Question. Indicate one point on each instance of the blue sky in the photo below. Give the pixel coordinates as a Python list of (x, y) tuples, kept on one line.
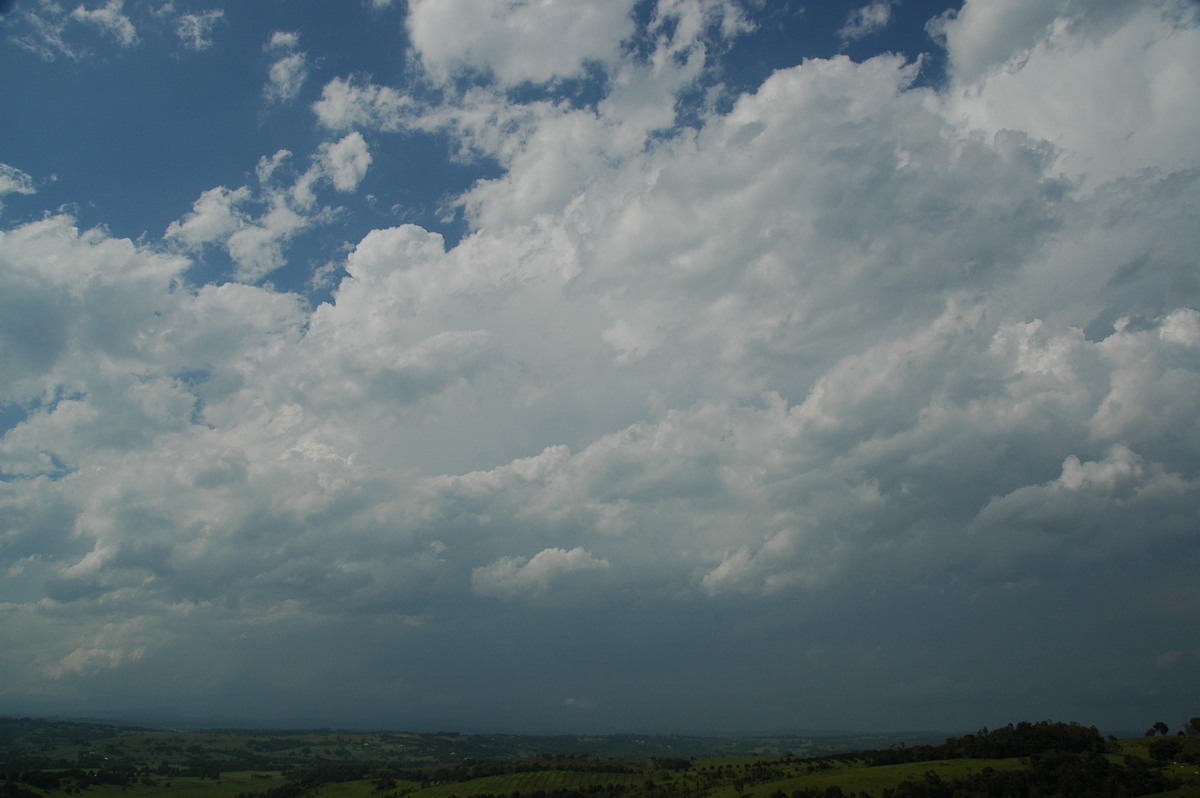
[(601, 365)]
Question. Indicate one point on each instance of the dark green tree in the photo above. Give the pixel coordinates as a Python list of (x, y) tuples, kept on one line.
[(1165, 750)]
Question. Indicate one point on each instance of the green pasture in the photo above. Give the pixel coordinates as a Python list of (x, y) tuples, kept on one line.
[(709, 777), (1142, 746), (734, 761), (852, 778), (855, 778), (361, 789), (228, 786), (546, 780)]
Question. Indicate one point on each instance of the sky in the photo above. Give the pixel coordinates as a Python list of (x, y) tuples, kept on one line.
[(601, 365)]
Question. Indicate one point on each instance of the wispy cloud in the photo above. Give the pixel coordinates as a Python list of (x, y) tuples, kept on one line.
[(195, 30), (867, 20), (111, 19)]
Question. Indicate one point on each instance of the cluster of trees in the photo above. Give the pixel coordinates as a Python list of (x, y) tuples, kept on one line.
[(1060, 773), (35, 778), (1172, 749), (73, 780), (1168, 749), (597, 791), (1160, 728), (1023, 739), (335, 772), (10, 789), (1053, 773), (1065, 759), (765, 770), (40, 735), (477, 769), (289, 790), (331, 773)]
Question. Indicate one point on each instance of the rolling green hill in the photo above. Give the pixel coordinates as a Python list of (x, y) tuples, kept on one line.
[(53, 758)]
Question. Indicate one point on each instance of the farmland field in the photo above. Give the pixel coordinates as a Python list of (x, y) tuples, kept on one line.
[(45, 758)]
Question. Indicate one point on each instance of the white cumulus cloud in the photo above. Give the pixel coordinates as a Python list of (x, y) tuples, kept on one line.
[(509, 576), (288, 72), (346, 161), (14, 181), (846, 350), (526, 40)]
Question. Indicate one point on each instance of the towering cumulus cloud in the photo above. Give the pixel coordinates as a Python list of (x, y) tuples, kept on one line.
[(853, 395)]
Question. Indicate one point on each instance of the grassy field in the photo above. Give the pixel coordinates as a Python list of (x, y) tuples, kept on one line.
[(854, 779), (229, 785), (527, 783)]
